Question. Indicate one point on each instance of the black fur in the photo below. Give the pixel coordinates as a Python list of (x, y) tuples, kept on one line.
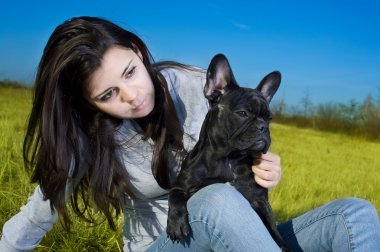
[(235, 131)]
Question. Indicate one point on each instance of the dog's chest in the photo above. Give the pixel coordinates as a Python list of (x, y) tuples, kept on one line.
[(229, 169)]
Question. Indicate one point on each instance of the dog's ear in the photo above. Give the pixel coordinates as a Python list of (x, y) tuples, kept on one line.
[(219, 78), (269, 85)]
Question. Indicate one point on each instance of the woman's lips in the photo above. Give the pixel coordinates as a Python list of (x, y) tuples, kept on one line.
[(139, 105)]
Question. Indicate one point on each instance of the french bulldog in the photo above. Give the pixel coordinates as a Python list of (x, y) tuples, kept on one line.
[(234, 134)]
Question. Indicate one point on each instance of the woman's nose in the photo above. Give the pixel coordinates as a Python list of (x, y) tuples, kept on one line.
[(127, 95)]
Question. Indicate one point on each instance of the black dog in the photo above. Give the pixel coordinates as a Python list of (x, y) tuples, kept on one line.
[(235, 131)]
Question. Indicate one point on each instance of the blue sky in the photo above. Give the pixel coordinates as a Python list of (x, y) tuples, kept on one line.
[(328, 50)]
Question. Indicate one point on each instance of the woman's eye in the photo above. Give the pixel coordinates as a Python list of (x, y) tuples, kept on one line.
[(108, 95), (130, 73), (242, 113)]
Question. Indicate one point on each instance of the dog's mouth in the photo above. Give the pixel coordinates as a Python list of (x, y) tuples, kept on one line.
[(260, 146), (253, 144)]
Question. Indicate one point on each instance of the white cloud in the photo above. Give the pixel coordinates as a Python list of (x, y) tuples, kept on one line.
[(241, 26)]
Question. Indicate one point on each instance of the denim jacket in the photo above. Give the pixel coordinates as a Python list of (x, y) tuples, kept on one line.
[(146, 212)]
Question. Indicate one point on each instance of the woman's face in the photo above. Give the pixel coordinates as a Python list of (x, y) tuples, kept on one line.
[(121, 86)]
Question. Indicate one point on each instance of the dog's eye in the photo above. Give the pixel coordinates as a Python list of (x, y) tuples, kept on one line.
[(242, 113)]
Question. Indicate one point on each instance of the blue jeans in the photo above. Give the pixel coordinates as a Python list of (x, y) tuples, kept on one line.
[(222, 220)]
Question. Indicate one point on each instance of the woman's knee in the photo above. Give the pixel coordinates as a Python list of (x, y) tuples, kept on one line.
[(218, 200), (360, 221), (222, 214), (358, 207), (219, 196)]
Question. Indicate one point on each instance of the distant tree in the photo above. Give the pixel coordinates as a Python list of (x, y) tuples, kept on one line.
[(350, 114), (367, 109), (12, 84), (306, 103), (354, 118), (329, 111), (278, 107), (370, 117), (350, 110)]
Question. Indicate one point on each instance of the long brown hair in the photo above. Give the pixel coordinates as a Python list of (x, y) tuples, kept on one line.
[(65, 132)]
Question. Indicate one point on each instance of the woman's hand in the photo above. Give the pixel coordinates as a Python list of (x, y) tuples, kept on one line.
[(268, 170)]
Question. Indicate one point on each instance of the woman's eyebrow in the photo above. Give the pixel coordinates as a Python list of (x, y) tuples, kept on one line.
[(126, 68)]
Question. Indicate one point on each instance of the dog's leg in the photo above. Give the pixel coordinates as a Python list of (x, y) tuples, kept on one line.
[(188, 182), (178, 224)]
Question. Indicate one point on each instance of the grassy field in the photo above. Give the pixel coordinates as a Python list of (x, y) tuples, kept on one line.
[(317, 167)]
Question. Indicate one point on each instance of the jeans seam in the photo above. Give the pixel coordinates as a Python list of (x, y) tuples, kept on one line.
[(351, 244), (212, 229), (159, 248)]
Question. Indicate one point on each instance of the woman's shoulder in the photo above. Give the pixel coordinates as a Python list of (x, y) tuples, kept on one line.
[(184, 76), (185, 83), (186, 89)]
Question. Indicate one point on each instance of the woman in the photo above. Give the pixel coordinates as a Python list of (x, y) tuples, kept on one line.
[(110, 126)]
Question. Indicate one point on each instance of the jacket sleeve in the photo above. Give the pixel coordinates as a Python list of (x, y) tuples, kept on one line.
[(25, 230)]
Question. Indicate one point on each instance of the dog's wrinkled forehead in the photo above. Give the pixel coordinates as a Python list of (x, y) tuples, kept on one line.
[(245, 98)]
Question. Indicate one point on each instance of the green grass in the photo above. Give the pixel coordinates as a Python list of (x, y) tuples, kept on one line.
[(15, 105), (317, 167)]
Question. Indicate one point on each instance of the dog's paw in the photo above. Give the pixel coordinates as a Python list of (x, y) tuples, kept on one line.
[(285, 249), (178, 224)]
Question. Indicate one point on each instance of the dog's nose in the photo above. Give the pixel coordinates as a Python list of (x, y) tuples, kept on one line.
[(262, 126), (263, 129)]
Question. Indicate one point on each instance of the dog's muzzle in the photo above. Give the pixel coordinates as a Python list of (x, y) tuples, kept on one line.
[(261, 144)]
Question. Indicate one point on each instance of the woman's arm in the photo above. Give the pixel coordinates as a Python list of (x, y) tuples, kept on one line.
[(25, 230), (268, 171)]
